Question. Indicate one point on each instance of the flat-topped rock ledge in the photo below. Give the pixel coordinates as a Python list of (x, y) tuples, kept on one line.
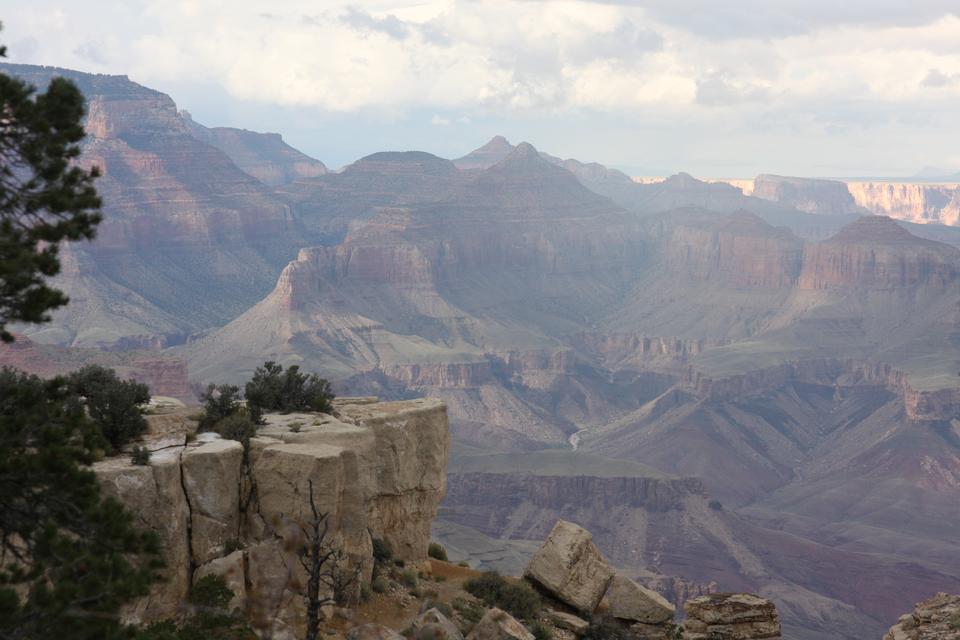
[(378, 469), (731, 616)]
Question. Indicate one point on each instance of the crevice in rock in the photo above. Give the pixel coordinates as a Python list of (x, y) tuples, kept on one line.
[(186, 498)]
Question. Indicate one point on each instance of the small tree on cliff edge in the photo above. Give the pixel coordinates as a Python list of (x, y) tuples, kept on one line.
[(273, 389), (44, 198)]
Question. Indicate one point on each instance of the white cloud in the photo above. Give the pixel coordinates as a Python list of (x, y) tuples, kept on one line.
[(792, 68)]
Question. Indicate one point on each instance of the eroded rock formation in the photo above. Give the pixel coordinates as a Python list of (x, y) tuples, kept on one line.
[(935, 619), (378, 471), (731, 616)]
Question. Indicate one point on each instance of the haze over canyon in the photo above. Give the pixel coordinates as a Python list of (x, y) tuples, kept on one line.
[(735, 385)]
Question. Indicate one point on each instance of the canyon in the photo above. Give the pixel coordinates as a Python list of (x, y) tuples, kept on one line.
[(769, 375)]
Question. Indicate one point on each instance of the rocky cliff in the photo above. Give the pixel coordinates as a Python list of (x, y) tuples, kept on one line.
[(875, 252), (825, 197), (265, 156), (916, 202), (164, 374), (188, 240), (740, 250), (378, 471)]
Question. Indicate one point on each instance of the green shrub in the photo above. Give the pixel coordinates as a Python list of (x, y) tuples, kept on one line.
[(519, 600), (140, 456), (366, 592), (231, 545), (469, 611), (444, 608), (400, 562), (436, 551), (541, 631), (379, 585), (382, 552), (219, 402), (440, 578), (209, 620), (955, 621), (236, 426), (212, 592), (463, 563), (295, 427), (409, 577), (487, 587), (516, 598), (273, 389), (114, 405)]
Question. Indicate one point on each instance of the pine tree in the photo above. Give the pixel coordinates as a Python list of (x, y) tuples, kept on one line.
[(44, 197), (69, 558)]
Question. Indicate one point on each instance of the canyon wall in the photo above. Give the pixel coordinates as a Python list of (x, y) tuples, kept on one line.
[(377, 470), (916, 202), (920, 405)]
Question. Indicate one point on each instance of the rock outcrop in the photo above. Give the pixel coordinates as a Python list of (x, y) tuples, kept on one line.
[(433, 625), (731, 616), (628, 600), (825, 197), (570, 567), (378, 471), (497, 624), (935, 619)]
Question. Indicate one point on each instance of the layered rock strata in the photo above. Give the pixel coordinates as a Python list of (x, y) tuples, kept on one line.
[(935, 619), (377, 471), (731, 616)]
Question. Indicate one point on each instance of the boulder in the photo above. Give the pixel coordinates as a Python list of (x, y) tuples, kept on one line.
[(631, 601), (731, 616), (570, 567), (230, 568), (373, 631), (935, 619), (567, 621), (211, 478), (497, 624), (433, 625)]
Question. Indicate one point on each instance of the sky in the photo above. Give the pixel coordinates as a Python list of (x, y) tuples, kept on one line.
[(719, 89)]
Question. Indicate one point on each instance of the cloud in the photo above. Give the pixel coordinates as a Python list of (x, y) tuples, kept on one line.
[(785, 18), (936, 78), (806, 67), (440, 121), (363, 21), (717, 88)]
